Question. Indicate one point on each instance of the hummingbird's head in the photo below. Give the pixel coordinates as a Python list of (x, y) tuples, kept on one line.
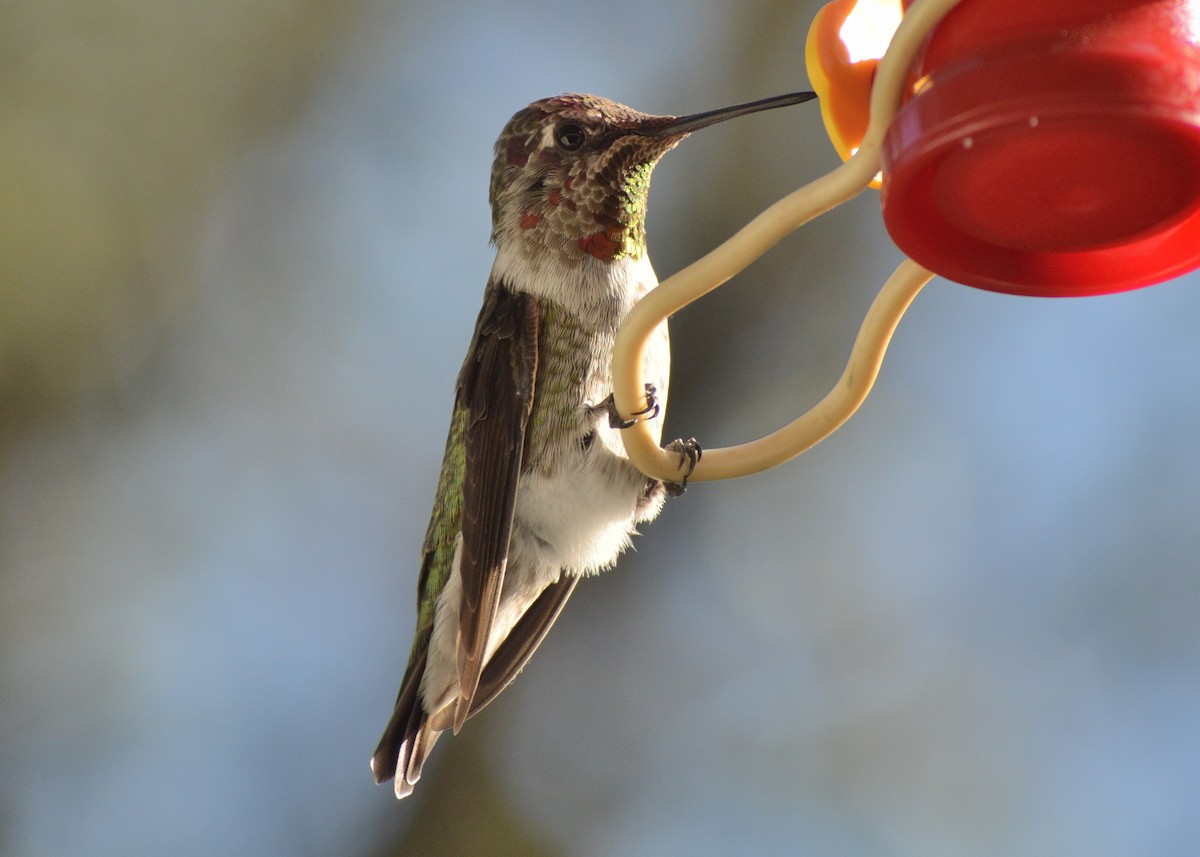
[(571, 173)]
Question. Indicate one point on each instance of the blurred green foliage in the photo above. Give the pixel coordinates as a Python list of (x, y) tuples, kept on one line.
[(115, 116)]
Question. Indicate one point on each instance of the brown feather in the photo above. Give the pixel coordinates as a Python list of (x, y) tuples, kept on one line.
[(395, 747), (496, 388), (505, 342), (518, 647), (412, 732)]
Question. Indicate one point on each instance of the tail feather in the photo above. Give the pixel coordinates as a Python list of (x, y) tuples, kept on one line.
[(412, 732), (401, 752), (418, 750)]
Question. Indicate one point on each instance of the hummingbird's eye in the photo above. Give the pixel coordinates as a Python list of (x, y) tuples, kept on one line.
[(570, 136)]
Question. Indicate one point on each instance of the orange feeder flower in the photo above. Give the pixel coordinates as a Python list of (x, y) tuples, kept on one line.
[(845, 43)]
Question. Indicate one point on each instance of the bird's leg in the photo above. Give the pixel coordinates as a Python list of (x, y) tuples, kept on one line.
[(688, 450), (609, 407)]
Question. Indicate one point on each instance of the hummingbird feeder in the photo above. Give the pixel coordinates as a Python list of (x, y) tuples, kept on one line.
[(1031, 147)]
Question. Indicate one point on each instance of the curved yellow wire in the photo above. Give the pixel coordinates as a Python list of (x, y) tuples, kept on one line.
[(754, 239)]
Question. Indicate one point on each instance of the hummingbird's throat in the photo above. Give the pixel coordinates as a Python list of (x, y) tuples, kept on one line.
[(622, 221), (609, 231), (605, 245)]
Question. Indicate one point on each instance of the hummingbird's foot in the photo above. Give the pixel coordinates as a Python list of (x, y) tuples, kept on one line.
[(689, 451), (609, 406)]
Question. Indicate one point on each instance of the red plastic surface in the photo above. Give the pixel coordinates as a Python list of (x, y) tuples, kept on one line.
[(1052, 148)]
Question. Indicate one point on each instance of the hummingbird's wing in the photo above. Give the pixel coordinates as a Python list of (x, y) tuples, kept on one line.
[(406, 742), (475, 497), (496, 390), (518, 647)]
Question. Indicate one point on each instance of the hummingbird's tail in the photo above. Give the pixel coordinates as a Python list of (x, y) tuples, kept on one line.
[(412, 732), (407, 740)]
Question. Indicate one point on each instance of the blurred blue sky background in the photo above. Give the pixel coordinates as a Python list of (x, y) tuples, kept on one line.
[(243, 252)]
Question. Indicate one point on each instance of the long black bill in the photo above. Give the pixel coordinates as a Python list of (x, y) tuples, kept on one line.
[(696, 121)]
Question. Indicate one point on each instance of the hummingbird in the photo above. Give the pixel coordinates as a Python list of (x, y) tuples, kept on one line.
[(536, 490)]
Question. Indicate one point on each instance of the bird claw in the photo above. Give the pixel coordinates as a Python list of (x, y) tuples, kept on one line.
[(649, 412), (689, 451)]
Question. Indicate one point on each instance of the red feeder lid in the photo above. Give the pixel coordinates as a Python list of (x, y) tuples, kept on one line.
[(1064, 162)]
